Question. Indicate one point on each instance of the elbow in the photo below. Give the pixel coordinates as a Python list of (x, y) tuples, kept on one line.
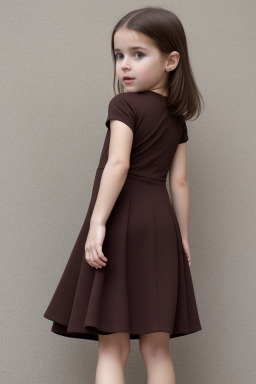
[(120, 164), (184, 180), (179, 182)]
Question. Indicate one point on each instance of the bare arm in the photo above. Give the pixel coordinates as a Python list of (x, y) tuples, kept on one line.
[(179, 188), (181, 202), (115, 171), (111, 184), (112, 181)]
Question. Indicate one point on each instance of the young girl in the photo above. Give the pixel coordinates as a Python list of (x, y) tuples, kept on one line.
[(128, 276)]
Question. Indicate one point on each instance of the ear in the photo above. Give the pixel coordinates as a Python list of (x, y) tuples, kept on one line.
[(172, 61)]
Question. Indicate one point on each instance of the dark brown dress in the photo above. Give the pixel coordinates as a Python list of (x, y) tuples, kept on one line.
[(146, 285)]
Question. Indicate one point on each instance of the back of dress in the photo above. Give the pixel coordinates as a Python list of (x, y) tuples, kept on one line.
[(146, 285), (157, 132)]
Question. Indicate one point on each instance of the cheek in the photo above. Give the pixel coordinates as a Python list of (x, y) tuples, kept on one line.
[(146, 69), (147, 64)]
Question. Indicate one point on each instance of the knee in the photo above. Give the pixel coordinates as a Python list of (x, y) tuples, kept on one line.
[(117, 346), (152, 346), (117, 352)]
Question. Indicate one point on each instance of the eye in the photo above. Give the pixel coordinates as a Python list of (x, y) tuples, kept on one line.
[(117, 55), (140, 53)]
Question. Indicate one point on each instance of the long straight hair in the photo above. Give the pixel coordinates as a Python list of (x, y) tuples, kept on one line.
[(164, 28)]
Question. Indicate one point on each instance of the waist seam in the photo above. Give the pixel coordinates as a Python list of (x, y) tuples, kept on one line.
[(138, 176)]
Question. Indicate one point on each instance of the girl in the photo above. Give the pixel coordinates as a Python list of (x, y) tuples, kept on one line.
[(128, 276)]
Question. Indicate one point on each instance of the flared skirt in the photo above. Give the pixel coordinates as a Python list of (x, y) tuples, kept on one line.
[(146, 285)]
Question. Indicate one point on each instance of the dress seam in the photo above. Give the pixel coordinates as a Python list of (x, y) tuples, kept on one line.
[(155, 253)]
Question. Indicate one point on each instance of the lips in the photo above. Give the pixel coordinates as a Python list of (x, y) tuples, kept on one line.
[(128, 78)]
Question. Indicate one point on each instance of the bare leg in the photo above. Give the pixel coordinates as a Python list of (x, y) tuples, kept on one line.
[(113, 352), (154, 348)]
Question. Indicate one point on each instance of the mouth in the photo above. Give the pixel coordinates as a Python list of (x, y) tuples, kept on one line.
[(128, 79)]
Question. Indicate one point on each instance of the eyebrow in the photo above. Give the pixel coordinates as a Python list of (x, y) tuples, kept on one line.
[(131, 48)]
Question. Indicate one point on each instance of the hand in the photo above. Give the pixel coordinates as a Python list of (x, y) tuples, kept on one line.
[(186, 249), (93, 246)]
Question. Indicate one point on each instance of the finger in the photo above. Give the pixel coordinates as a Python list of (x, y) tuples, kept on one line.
[(87, 257), (93, 260), (96, 259), (101, 254), (87, 254), (94, 264), (98, 254), (90, 260)]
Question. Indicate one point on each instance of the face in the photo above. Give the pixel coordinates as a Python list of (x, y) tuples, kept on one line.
[(145, 65)]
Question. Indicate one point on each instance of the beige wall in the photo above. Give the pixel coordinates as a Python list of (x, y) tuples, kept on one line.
[(56, 82)]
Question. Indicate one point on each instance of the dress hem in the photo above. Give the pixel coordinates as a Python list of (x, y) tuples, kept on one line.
[(135, 332)]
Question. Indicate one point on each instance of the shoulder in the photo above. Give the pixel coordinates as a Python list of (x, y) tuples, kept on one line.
[(130, 101), (184, 132), (123, 107), (127, 98)]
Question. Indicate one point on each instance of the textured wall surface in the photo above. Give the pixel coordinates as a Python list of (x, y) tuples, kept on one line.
[(56, 81)]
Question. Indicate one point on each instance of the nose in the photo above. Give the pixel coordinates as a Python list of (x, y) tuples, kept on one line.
[(125, 64)]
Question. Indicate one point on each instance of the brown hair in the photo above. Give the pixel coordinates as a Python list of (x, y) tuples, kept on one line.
[(167, 32)]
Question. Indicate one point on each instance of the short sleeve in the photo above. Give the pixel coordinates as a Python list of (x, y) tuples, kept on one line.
[(120, 108), (184, 135)]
